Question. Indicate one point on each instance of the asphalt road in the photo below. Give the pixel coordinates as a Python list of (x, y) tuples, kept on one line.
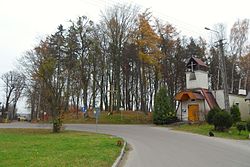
[(162, 147)]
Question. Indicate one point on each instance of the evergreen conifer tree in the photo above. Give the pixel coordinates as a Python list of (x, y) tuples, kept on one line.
[(163, 112)]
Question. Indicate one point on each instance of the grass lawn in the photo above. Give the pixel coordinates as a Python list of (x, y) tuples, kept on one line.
[(30, 147), (204, 129), (127, 117)]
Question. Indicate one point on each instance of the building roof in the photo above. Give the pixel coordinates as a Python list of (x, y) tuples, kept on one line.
[(197, 61), (211, 101), (248, 97), (185, 95), (193, 95)]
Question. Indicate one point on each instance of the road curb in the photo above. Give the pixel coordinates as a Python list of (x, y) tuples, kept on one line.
[(119, 158)]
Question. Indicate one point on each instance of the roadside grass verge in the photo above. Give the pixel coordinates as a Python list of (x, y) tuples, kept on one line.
[(126, 117), (203, 129), (33, 147)]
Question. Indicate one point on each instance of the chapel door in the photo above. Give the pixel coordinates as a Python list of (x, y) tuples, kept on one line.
[(193, 112)]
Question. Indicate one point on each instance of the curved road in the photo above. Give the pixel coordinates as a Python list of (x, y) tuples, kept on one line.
[(162, 147)]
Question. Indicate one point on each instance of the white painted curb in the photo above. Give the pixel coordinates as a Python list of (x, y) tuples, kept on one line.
[(119, 158)]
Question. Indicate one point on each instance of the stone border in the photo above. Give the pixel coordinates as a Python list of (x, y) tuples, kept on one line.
[(119, 158)]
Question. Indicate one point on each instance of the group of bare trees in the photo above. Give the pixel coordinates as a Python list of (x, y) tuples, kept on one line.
[(237, 58), (120, 62), (14, 84)]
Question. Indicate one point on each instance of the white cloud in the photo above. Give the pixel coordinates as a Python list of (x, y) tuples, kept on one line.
[(23, 21)]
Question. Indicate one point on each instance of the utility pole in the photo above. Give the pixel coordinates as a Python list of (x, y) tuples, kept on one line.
[(223, 72), (224, 76)]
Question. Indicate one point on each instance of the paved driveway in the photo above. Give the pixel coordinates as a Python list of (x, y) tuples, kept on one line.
[(161, 147)]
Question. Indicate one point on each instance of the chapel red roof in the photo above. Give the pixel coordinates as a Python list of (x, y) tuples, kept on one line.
[(185, 95), (210, 99), (195, 95), (197, 61), (200, 62)]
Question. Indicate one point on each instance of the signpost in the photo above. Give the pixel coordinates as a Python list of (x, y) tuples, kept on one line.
[(84, 110), (96, 112)]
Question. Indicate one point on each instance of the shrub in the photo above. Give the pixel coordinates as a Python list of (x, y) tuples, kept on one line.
[(240, 126), (210, 115), (235, 113), (248, 125), (222, 121), (163, 112)]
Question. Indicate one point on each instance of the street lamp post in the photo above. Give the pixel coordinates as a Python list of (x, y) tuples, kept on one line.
[(223, 71)]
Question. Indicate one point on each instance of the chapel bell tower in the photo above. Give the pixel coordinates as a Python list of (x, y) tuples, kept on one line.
[(196, 74)]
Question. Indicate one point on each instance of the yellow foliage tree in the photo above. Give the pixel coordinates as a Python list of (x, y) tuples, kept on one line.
[(150, 56), (148, 42)]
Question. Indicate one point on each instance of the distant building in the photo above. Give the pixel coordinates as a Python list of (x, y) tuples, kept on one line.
[(248, 97), (238, 100), (197, 100)]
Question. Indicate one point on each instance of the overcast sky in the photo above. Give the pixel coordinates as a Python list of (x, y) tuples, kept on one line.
[(24, 22)]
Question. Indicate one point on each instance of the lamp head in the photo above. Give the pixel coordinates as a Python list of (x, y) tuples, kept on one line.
[(207, 28)]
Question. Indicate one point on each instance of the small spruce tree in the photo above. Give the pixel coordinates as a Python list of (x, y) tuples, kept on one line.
[(163, 112), (240, 126), (222, 121), (248, 125), (235, 113), (210, 115)]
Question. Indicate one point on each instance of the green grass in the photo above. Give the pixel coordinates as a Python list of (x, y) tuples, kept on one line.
[(127, 117), (204, 129), (29, 147)]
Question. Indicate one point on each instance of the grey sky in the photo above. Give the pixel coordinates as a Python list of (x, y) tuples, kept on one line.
[(24, 22)]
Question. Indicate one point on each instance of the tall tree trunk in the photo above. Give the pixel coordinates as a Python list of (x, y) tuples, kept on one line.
[(138, 81), (150, 107), (77, 106), (106, 94), (232, 77), (101, 91), (85, 94), (246, 79), (142, 88), (156, 83), (66, 105), (14, 110)]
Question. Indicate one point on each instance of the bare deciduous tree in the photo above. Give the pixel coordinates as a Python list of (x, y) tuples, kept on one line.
[(238, 38), (14, 83)]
